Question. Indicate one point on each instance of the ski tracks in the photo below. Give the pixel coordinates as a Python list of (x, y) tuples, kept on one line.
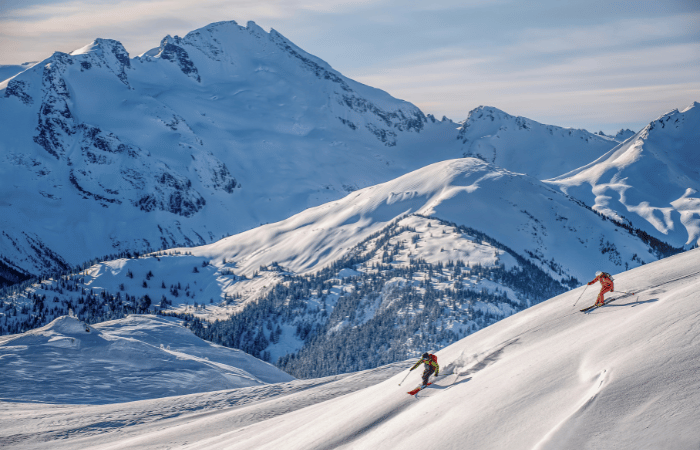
[(558, 436), (370, 423)]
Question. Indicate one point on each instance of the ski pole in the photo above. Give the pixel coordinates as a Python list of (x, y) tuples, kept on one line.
[(579, 297), (404, 378)]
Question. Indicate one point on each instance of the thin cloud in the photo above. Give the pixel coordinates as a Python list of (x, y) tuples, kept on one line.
[(624, 33), (583, 91), (447, 57), (72, 24)]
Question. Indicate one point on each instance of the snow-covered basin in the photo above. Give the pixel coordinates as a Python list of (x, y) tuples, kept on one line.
[(624, 376), (135, 358)]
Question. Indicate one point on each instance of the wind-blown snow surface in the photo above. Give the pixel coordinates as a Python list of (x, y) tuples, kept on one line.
[(204, 136), (139, 357), (651, 180), (550, 377)]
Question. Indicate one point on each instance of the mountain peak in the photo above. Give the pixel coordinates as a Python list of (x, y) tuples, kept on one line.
[(690, 107), (651, 179), (255, 28), (483, 112), (101, 45)]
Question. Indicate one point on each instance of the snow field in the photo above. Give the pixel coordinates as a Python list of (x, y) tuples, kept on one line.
[(150, 423), (123, 360)]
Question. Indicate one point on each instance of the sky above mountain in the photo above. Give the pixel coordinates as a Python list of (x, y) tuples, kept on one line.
[(598, 65)]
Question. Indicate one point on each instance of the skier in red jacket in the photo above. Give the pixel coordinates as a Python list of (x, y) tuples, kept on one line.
[(606, 286)]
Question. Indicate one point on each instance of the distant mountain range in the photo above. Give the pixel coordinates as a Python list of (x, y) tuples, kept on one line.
[(417, 262), (212, 134)]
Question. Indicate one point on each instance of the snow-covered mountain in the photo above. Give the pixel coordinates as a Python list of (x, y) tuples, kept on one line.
[(623, 134), (550, 377), (209, 135), (620, 136), (525, 146), (136, 358), (434, 255), (651, 180)]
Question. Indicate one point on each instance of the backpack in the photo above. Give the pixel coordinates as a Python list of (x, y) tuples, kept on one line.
[(433, 357), (607, 275)]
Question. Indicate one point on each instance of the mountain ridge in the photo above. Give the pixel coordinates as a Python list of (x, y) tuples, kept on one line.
[(649, 181)]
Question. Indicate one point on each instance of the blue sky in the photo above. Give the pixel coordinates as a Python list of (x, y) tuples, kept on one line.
[(599, 65)]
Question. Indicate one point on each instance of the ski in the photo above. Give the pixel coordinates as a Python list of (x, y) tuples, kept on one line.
[(588, 308), (626, 294), (418, 389)]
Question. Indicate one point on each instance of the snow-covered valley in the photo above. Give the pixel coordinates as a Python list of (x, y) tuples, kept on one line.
[(550, 377)]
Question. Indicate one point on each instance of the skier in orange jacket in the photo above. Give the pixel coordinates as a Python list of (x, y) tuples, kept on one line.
[(606, 286)]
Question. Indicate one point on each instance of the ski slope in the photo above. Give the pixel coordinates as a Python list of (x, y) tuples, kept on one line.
[(623, 376)]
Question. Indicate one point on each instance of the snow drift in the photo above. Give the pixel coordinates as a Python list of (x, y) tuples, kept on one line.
[(136, 358)]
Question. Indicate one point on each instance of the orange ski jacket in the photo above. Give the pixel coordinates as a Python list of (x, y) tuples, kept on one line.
[(428, 362), (606, 282)]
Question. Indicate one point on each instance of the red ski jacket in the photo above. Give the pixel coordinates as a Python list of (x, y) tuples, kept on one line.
[(604, 281)]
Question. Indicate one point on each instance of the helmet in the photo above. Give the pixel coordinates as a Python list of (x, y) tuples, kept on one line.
[(598, 273), (426, 355)]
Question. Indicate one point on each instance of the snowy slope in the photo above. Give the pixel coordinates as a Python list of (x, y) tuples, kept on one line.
[(9, 71), (541, 379), (135, 358), (525, 146), (24, 425), (550, 377), (651, 180), (206, 136)]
